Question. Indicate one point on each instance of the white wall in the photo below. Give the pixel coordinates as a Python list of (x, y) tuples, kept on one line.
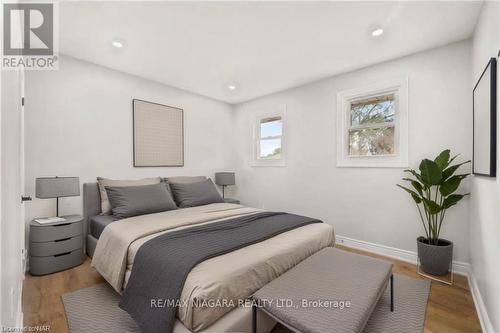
[(79, 123), (485, 207), (362, 203)]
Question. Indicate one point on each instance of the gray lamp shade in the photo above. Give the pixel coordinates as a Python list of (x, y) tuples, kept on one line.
[(224, 178), (56, 187)]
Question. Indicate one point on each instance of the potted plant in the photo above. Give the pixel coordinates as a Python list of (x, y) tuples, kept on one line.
[(433, 190)]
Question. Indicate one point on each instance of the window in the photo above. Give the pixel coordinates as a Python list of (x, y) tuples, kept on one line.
[(269, 140), (372, 126), (371, 130), (271, 130)]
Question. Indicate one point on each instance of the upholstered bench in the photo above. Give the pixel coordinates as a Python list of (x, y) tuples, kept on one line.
[(331, 291)]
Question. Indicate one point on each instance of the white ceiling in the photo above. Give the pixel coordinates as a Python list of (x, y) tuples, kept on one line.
[(260, 47)]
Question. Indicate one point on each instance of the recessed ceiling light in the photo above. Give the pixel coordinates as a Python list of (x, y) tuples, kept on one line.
[(231, 87), (377, 32), (117, 44)]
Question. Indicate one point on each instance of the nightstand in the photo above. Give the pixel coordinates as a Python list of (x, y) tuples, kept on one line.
[(56, 246), (233, 201)]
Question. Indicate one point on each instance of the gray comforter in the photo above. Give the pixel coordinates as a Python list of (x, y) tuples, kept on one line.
[(163, 263)]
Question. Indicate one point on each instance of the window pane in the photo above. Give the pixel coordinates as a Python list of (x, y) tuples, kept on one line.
[(372, 111), (270, 148), (371, 141), (271, 127)]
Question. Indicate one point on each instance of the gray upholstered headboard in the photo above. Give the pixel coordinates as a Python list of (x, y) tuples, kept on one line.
[(92, 197), (91, 204), (92, 207)]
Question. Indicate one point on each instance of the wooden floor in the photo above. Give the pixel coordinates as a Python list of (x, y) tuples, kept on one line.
[(449, 309)]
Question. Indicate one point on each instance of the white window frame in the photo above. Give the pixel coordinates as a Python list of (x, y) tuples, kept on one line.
[(397, 87), (256, 138)]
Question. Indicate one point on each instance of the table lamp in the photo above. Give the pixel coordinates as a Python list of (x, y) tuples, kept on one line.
[(224, 179), (57, 187)]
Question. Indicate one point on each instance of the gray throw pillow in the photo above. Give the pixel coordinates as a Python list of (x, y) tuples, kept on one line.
[(195, 194), (139, 200), (103, 182)]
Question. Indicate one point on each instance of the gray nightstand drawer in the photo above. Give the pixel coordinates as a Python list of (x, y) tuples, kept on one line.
[(43, 249), (50, 264), (45, 233)]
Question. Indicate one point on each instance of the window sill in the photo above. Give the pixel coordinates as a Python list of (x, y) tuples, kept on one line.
[(357, 163)]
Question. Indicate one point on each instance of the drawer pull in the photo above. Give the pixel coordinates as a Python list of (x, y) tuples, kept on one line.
[(62, 240), (61, 225), (62, 254)]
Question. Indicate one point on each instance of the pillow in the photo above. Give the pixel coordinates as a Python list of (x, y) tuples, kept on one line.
[(103, 182), (184, 179), (127, 201), (195, 194)]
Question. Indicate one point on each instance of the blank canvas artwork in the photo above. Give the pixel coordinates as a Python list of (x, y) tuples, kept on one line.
[(158, 135)]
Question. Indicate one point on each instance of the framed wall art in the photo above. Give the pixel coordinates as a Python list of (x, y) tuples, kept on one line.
[(158, 132), (485, 122)]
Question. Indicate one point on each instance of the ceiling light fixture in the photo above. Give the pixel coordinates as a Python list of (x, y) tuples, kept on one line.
[(117, 44), (231, 87), (377, 32)]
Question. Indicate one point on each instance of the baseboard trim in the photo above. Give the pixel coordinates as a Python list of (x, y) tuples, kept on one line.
[(459, 267), (484, 318)]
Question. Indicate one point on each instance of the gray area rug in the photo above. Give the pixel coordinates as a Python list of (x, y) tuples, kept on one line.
[(95, 309)]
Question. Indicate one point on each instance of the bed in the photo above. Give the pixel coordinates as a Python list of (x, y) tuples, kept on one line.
[(235, 275)]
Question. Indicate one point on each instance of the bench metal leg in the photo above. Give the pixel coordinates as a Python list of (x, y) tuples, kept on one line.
[(392, 293), (254, 318)]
